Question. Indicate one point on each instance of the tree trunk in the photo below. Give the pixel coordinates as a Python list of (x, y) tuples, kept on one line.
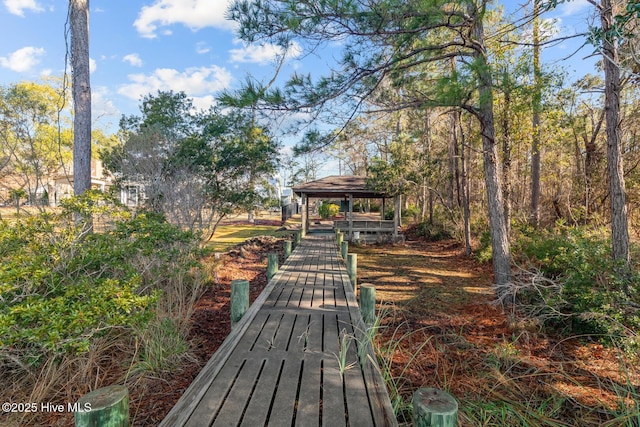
[(465, 187), (591, 161), (619, 225), (493, 181), (79, 18), (537, 100), (430, 206), (506, 155), (454, 166), (451, 168)]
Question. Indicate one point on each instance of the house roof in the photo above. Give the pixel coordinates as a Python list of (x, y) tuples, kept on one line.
[(338, 186)]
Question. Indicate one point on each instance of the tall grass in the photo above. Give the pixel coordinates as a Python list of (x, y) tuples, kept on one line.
[(389, 350)]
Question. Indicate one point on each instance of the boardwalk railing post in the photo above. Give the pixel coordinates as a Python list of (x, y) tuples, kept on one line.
[(106, 406), (339, 237), (434, 408), (279, 315), (239, 299), (287, 248), (298, 237), (368, 303), (352, 269), (272, 265), (344, 250)]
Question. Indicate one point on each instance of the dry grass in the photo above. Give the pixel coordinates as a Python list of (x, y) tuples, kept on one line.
[(62, 380)]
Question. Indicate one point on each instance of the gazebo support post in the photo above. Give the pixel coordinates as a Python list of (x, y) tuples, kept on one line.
[(307, 222), (350, 216), (304, 214), (397, 215)]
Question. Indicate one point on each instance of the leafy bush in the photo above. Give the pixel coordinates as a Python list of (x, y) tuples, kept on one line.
[(485, 251), (593, 294), (328, 210), (434, 232), (411, 212), (61, 286)]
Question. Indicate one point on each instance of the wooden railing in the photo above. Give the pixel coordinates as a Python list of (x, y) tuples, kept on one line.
[(365, 226)]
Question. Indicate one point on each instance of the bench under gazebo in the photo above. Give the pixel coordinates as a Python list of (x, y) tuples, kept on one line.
[(349, 188)]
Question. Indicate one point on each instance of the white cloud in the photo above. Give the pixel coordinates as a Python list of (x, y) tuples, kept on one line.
[(572, 8), (17, 7), (133, 59), (203, 102), (22, 59), (195, 14), (202, 48), (263, 53), (93, 65), (197, 82), (101, 105)]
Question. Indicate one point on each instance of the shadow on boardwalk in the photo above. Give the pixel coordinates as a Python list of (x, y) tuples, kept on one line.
[(293, 359)]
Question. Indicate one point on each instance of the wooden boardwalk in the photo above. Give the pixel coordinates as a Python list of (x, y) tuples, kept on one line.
[(293, 359)]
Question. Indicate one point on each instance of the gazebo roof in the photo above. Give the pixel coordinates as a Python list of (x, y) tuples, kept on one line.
[(338, 186)]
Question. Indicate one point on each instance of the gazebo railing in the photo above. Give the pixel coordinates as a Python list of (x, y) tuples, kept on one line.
[(365, 226)]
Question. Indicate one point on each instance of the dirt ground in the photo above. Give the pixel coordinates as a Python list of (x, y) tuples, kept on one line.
[(439, 329)]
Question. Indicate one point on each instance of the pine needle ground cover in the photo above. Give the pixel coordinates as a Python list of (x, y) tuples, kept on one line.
[(440, 329)]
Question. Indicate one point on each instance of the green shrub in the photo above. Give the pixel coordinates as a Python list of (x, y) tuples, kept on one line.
[(328, 210), (61, 287), (411, 212), (484, 253), (590, 297), (434, 232)]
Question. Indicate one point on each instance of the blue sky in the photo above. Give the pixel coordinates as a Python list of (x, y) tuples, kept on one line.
[(136, 48), (140, 47)]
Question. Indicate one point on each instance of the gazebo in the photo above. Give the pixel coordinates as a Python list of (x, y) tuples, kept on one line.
[(348, 188)]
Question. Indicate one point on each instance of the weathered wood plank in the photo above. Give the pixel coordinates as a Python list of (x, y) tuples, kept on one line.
[(252, 336), (308, 409), (358, 408), (315, 339), (276, 293), (285, 331), (333, 410), (300, 337), (240, 394), (205, 412), (257, 411), (284, 403), (265, 341), (331, 333), (281, 364)]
